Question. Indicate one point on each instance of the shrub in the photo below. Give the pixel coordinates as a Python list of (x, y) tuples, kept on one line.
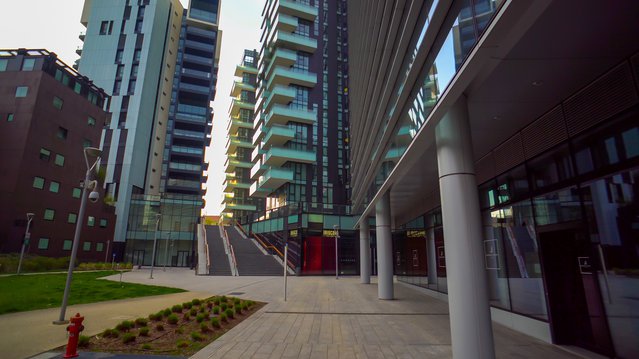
[(144, 331), (238, 309), (154, 317), (196, 301), (245, 306), (111, 333), (128, 338), (172, 319), (224, 306), (224, 299), (199, 318), (176, 308), (146, 346), (179, 330), (166, 312), (187, 305), (215, 323), (229, 313), (124, 326), (216, 310), (141, 322), (196, 336), (159, 327), (202, 309), (204, 327), (209, 305), (217, 301), (223, 317), (83, 341), (186, 317), (193, 311), (182, 343), (237, 301)]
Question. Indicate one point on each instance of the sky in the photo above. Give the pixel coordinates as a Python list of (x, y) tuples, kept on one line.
[(55, 25)]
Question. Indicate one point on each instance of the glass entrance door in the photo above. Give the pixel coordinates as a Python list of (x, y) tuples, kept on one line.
[(138, 257), (577, 313)]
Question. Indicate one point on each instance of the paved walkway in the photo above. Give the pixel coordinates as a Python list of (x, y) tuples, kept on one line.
[(323, 318)]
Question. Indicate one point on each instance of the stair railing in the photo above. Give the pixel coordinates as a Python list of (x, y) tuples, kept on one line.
[(270, 247), (231, 252)]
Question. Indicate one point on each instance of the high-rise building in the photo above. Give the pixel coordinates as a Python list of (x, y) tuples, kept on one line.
[(237, 204), (300, 162), (495, 142), (160, 62), (48, 114)]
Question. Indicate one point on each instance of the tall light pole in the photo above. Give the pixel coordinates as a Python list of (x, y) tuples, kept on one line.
[(336, 229), (93, 196), (166, 250), (155, 242), (25, 242)]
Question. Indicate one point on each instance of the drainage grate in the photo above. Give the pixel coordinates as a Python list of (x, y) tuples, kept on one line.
[(236, 293)]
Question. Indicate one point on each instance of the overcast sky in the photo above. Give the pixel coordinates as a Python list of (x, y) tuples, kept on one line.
[(55, 24)]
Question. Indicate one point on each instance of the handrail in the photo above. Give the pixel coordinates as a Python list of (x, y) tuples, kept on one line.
[(270, 246), (237, 224), (234, 260), (206, 247)]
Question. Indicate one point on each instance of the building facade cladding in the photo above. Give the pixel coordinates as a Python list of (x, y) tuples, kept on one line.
[(48, 113), (555, 174), (237, 204), (130, 48)]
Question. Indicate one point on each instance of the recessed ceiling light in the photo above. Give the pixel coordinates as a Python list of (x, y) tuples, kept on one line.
[(496, 117), (537, 83)]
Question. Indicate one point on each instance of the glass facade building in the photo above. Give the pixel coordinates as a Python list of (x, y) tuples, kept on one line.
[(508, 177)]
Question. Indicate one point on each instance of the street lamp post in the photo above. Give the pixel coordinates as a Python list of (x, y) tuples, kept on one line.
[(27, 236), (94, 195), (155, 242), (166, 251), (336, 229)]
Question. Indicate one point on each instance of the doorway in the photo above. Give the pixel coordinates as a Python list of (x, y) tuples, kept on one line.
[(576, 310), (138, 257), (182, 259)]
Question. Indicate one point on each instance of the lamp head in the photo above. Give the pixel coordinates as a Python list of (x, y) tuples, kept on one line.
[(30, 215), (92, 151)]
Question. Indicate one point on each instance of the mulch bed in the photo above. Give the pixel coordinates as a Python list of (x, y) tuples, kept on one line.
[(182, 329)]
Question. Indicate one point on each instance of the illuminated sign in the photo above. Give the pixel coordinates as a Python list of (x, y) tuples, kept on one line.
[(330, 233), (416, 234), (292, 233)]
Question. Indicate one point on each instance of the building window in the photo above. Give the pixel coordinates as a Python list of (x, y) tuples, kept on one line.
[(134, 71), (45, 154), (86, 246), (72, 218), (54, 186), (28, 64), (86, 143), (104, 27), (118, 55), (119, 72), (38, 182), (91, 221), (103, 223), (99, 247), (136, 55), (3, 64), (59, 160), (49, 214), (57, 102), (9, 117), (43, 243), (77, 88), (91, 121), (138, 26), (116, 87), (76, 192), (62, 133), (22, 91), (66, 245), (131, 87)]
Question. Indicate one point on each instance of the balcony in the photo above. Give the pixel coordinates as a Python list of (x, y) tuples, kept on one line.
[(185, 167), (279, 94), (286, 76), (228, 197), (258, 134), (296, 9), (277, 156), (235, 123), (281, 57), (195, 151), (83, 35), (240, 69), (259, 192), (78, 51), (229, 176), (232, 164), (257, 170), (231, 185), (194, 88), (189, 134), (241, 207), (238, 86), (282, 115), (295, 42), (234, 142), (277, 136), (237, 104), (275, 177), (285, 22)]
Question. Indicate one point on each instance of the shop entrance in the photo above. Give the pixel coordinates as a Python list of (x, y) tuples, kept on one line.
[(577, 315), (182, 259), (138, 257)]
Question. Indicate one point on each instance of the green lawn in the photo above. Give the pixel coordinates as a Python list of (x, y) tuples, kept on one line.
[(29, 292)]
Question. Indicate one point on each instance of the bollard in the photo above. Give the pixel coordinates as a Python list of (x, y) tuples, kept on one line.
[(74, 330)]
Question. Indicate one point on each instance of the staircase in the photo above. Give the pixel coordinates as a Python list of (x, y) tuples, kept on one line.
[(250, 259), (217, 254)]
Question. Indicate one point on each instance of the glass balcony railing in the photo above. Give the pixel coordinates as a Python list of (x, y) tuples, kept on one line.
[(297, 9), (184, 183), (189, 150), (190, 134), (277, 156), (282, 115), (295, 42), (185, 166), (287, 76)]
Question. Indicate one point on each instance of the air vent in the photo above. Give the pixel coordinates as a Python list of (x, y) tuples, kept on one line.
[(547, 131), (485, 168), (607, 96), (509, 154)]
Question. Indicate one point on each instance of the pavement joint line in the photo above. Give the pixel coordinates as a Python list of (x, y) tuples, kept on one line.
[(250, 284), (348, 313)]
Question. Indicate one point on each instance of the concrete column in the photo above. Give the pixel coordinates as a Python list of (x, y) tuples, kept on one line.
[(431, 251), (365, 252), (384, 248), (470, 322)]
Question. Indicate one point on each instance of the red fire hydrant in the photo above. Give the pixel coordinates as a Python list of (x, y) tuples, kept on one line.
[(74, 330)]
